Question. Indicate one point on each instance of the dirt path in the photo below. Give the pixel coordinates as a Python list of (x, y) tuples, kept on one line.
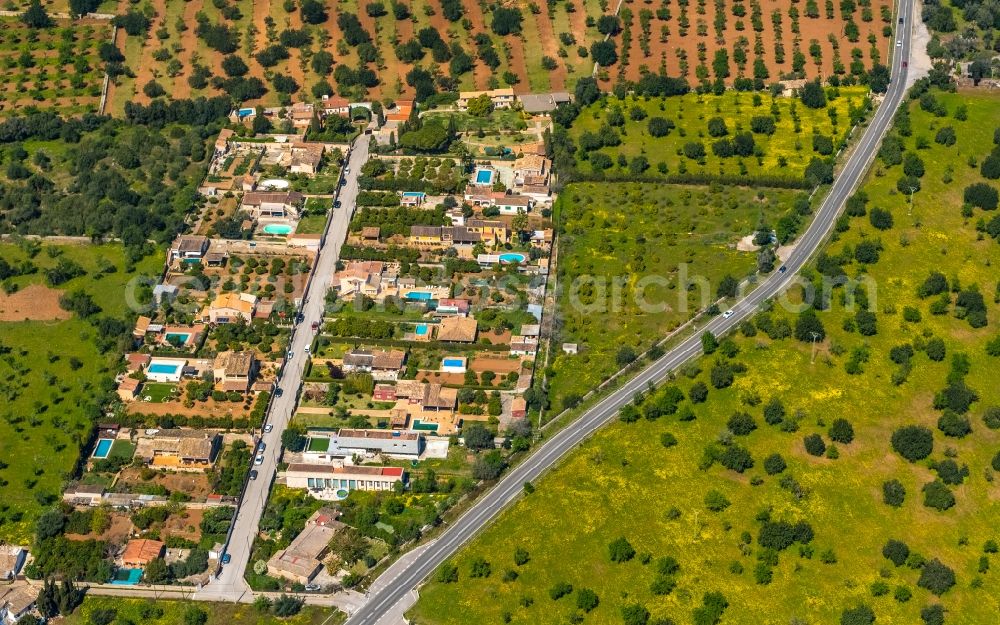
[(182, 88), (145, 68), (294, 66), (550, 47), (920, 61), (517, 62), (481, 73), (120, 37), (261, 9), (405, 31)]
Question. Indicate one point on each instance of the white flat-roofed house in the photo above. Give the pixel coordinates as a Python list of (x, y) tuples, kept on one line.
[(329, 482), (392, 443), (514, 204), (188, 247)]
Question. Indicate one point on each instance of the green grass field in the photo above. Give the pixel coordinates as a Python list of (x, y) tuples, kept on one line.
[(173, 612), (51, 379), (158, 392), (660, 236), (624, 483), (785, 153)]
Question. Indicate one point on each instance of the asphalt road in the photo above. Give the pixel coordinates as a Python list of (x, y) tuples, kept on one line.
[(230, 585), (509, 488)]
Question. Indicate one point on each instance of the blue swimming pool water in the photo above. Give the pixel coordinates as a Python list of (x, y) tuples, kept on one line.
[(163, 367), (453, 362), (512, 257), (178, 336), (277, 229), (412, 194), (420, 295), (421, 329), (127, 577), (427, 427), (103, 448), (484, 176)]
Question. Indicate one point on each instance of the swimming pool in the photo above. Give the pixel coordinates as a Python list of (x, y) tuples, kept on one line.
[(282, 229), (416, 194), (103, 448), (419, 295), (165, 370), (127, 577), (177, 337), (274, 183), (512, 257), (484, 176), (426, 427), (421, 329)]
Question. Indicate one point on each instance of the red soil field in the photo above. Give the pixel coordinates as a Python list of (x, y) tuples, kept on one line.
[(819, 29)]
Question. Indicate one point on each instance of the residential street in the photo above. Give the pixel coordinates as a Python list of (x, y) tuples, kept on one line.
[(230, 585)]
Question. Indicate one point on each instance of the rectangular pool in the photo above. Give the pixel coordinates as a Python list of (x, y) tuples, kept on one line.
[(127, 577), (419, 295), (421, 329), (426, 427), (484, 176), (453, 362), (177, 337), (164, 368), (103, 448)]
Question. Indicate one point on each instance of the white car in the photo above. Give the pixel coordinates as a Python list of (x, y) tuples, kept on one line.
[(728, 314), (899, 44), (259, 459), (306, 350), (268, 428)]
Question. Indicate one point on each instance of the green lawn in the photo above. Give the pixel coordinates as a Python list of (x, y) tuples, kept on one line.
[(499, 120), (624, 483), (785, 153), (122, 449), (52, 383), (657, 236), (173, 612), (311, 224), (158, 392)]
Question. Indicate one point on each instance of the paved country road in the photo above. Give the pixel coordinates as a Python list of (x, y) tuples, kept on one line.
[(383, 601), (230, 585)]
